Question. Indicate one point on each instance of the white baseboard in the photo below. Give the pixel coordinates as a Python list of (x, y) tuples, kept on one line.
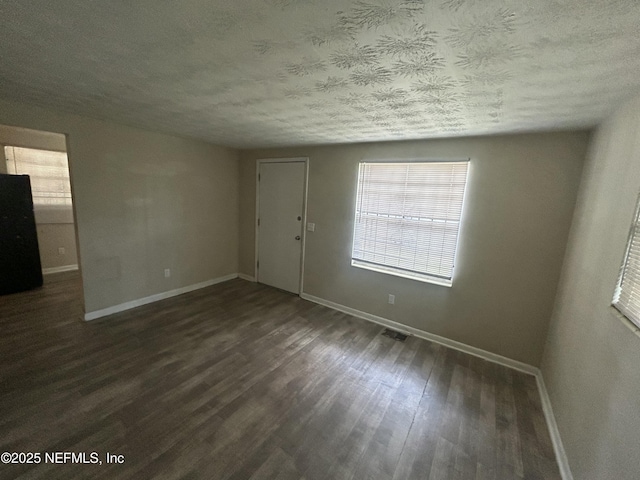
[(558, 447), (463, 347), (246, 277), (64, 268), (561, 457), (154, 298)]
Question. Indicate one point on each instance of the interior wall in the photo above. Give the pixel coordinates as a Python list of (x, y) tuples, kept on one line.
[(28, 138), (591, 361), (51, 236), (143, 202), (519, 201)]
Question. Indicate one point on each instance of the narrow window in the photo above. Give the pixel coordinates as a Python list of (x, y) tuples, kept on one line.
[(627, 294), (407, 218)]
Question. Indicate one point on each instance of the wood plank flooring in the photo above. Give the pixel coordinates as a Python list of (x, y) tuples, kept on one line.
[(241, 381)]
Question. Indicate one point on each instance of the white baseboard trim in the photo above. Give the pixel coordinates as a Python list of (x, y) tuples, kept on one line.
[(556, 440), (463, 347), (246, 277), (64, 268), (561, 457), (154, 298)]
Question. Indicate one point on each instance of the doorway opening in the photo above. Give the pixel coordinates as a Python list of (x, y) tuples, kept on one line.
[(43, 157)]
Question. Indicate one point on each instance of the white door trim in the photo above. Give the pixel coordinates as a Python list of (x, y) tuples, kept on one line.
[(259, 162)]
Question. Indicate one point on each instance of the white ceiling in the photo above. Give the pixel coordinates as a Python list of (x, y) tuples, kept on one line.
[(285, 72)]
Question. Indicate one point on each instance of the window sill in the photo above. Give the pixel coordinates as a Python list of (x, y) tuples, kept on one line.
[(396, 273)]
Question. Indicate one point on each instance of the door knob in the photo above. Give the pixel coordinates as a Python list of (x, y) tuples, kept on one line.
[(297, 237)]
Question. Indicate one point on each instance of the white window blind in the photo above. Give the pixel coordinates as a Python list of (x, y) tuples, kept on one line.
[(407, 218), (627, 294), (49, 172)]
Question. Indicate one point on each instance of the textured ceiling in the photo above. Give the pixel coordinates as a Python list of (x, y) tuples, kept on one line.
[(285, 72)]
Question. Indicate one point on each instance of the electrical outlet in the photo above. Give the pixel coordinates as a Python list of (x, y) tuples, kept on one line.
[(392, 299), (311, 227), (61, 250), (167, 272)]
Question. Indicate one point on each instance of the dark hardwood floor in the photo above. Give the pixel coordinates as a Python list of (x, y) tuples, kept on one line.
[(241, 381)]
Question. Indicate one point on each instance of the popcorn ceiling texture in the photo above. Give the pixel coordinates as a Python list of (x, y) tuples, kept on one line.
[(260, 73)]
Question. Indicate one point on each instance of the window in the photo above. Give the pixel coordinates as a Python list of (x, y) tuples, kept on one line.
[(407, 218), (50, 186), (627, 294), (48, 170)]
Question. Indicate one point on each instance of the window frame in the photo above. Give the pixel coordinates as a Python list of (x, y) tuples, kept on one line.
[(398, 272), (634, 233), (55, 212)]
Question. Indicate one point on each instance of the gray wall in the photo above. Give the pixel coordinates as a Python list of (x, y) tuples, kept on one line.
[(143, 202), (28, 138), (591, 363), (520, 198), (51, 236)]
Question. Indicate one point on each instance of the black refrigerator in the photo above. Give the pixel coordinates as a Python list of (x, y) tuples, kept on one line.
[(19, 256)]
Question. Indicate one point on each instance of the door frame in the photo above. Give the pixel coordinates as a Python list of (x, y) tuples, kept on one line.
[(305, 189), (28, 140)]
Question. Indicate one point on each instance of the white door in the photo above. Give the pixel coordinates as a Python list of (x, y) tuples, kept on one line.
[(280, 219)]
